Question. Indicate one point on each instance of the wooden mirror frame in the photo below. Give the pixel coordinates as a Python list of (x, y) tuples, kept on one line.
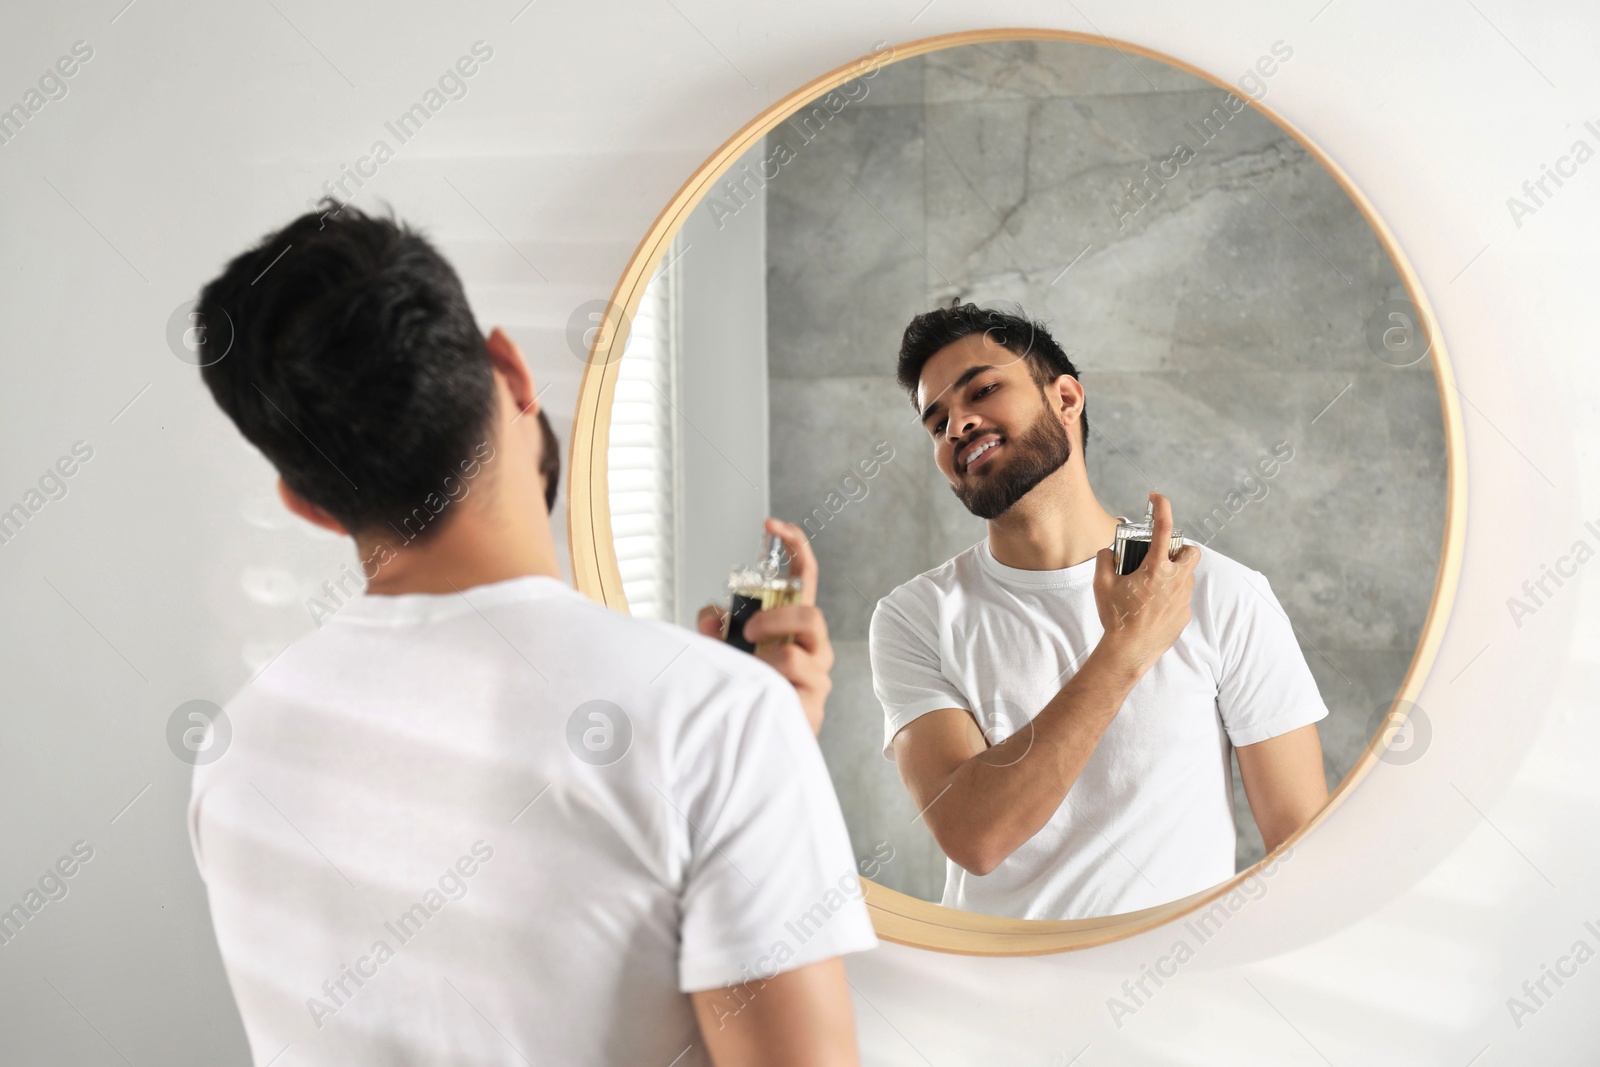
[(897, 916)]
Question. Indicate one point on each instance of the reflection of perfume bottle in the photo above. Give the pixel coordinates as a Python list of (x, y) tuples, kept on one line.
[(1133, 540), (753, 589)]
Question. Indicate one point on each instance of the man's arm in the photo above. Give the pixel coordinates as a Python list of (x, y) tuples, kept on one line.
[(800, 1018), (982, 802), (1284, 782)]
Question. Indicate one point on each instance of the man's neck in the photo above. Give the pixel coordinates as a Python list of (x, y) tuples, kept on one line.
[(1056, 525), (477, 545)]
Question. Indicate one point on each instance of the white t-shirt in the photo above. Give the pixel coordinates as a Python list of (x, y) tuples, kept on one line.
[(421, 807), (1150, 818)]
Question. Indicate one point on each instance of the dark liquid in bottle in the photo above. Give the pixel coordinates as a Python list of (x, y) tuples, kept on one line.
[(740, 609), (1133, 554)]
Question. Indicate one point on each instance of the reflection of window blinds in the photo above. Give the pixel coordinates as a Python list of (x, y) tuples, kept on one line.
[(640, 453)]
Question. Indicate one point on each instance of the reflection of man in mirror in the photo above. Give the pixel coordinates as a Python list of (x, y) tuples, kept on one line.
[(1115, 794), (587, 798)]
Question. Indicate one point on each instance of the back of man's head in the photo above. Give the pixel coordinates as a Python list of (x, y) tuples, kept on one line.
[(355, 366)]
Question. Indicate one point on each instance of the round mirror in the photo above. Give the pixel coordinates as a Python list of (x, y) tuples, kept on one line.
[(1130, 277)]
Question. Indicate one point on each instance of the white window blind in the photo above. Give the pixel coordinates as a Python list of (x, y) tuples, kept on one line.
[(642, 451)]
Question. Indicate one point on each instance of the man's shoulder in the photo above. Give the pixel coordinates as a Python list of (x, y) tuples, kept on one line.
[(919, 593), (651, 653), (574, 640), (720, 659), (1219, 571), (1222, 584)]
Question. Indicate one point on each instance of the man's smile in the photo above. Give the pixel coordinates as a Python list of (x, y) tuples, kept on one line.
[(977, 455)]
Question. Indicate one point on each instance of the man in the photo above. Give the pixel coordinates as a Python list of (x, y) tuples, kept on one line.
[(1065, 730), (475, 817)]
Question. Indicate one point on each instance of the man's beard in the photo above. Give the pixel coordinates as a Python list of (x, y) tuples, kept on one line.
[(1033, 457)]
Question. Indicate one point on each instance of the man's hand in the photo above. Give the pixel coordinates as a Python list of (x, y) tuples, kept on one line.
[(1144, 612), (807, 658)]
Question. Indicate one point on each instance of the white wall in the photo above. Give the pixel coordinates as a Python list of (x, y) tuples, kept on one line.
[(722, 398), (1396, 933)]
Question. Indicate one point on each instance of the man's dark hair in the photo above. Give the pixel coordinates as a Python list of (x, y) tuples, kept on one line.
[(549, 461), (356, 367), (933, 330)]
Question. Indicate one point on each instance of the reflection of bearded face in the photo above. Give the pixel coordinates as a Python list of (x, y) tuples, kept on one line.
[(991, 489)]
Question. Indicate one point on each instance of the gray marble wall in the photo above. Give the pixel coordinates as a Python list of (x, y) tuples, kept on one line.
[(1219, 318)]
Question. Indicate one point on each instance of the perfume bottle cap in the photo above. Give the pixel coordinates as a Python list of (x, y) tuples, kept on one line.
[(1145, 528), (774, 557), (771, 567), (1139, 528)]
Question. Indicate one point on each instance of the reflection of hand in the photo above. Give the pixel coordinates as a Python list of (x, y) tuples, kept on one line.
[(710, 619), (1144, 612), (805, 655)]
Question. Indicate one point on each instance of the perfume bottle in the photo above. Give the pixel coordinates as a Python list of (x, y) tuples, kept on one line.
[(1133, 541), (753, 589)]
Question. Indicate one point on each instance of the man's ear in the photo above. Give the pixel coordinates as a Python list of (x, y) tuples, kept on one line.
[(1068, 397), (307, 510), (506, 357)]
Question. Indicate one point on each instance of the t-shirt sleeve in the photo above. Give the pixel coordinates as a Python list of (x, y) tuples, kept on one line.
[(771, 881), (903, 643), (1266, 688)]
